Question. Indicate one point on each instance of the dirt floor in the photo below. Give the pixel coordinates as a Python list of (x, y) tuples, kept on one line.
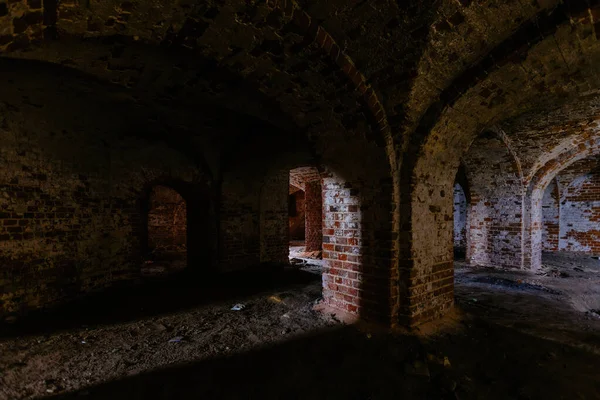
[(514, 335)]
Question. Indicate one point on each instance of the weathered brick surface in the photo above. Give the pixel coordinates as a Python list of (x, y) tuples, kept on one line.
[(301, 175), (70, 217), (551, 216), (342, 240), (580, 216), (314, 215), (495, 217), (167, 223), (520, 74), (582, 149), (310, 208), (390, 96)]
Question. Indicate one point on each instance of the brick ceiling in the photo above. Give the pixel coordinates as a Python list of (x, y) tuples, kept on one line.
[(385, 71)]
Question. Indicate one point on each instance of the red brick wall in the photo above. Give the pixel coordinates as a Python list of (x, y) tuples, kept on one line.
[(314, 215), (342, 278), (167, 223)]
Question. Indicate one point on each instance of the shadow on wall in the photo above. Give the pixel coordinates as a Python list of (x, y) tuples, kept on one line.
[(297, 215)]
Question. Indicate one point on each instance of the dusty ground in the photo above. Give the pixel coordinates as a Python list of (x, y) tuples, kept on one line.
[(514, 336), (561, 302)]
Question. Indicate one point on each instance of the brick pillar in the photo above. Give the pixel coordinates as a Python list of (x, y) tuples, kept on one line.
[(314, 215)]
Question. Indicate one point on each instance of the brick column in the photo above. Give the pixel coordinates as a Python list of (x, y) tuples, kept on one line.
[(314, 215)]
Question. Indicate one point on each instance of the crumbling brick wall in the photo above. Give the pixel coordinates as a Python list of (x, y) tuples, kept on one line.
[(580, 215), (551, 217), (70, 217), (342, 238), (496, 208)]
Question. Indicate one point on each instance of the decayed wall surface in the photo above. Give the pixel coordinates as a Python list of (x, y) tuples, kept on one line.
[(167, 223), (496, 203), (439, 74), (460, 218), (69, 202), (580, 215), (551, 217), (342, 238)]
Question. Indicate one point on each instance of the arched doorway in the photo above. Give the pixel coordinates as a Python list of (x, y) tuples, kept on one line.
[(460, 222), (306, 213), (167, 233)]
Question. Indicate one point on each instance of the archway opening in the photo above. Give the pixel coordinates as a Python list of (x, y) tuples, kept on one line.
[(297, 218), (166, 248), (551, 218), (305, 214), (460, 223), (570, 211)]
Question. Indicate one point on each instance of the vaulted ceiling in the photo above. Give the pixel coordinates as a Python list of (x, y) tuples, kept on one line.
[(380, 70)]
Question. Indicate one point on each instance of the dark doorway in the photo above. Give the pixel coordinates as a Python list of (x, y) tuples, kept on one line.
[(166, 249)]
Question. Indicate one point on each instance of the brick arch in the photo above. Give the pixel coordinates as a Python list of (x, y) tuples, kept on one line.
[(201, 225), (34, 23), (513, 49), (378, 115), (185, 29), (472, 103), (356, 251), (533, 216), (327, 43), (495, 209)]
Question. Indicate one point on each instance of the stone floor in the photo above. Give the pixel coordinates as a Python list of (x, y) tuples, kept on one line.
[(513, 335)]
